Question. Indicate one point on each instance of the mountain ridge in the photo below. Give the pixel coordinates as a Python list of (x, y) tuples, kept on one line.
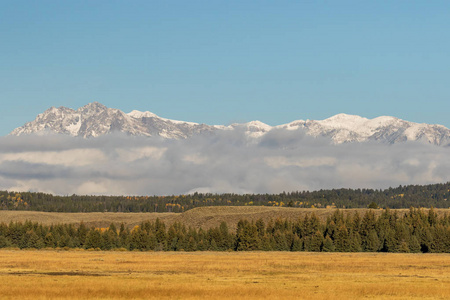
[(95, 119)]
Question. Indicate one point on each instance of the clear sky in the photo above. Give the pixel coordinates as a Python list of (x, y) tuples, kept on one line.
[(219, 62)]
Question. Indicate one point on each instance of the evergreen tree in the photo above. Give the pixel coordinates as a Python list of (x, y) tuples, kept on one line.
[(49, 240), (314, 242), (341, 239), (281, 243), (4, 242), (213, 245), (432, 217), (354, 242), (267, 242), (425, 239), (81, 233), (439, 239), (191, 244), (414, 245), (247, 237), (227, 240), (140, 240), (390, 242), (297, 244), (371, 242), (369, 237), (160, 235), (328, 245), (93, 239), (260, 227), (109, 240), (403, 247), (31, 240), (402, 236)]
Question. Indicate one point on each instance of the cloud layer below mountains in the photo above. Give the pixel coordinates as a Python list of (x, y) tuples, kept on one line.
[(223, 163)]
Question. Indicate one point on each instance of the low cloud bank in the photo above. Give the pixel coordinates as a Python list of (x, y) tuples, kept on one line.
[(228, 162)]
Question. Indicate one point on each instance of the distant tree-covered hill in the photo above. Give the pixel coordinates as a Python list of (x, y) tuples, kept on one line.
[(433, 195)]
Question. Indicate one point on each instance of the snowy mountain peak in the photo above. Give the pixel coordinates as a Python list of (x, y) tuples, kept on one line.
[(95, 119), (93, 107), (260, 124), (141, 114), (350, 122), (57, 110), (52, 110), (257, 125), (253, 128), (345, 118)]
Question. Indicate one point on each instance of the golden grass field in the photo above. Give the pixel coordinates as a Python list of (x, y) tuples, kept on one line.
[(204, 217), (222, 275)]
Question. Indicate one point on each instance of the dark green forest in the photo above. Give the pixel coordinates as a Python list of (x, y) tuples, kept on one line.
[(433, 195), (414, 231)]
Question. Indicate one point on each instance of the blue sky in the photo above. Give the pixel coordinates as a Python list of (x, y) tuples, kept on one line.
[(227, 61)]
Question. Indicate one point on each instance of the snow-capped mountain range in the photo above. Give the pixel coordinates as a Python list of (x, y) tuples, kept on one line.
[(95, 119)]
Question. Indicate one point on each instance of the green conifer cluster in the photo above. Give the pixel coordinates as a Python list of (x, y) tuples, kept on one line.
[(415, 231)]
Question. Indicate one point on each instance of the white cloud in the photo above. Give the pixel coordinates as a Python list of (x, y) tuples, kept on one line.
[(133, 154), (75, 157), (195, 159), (227, 162), (281, 161)]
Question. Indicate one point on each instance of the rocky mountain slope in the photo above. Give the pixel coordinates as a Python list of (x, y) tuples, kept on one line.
[(95, 119)]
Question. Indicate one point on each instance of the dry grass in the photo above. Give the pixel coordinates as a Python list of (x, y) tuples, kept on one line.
[(216, 275), (96, 219), (204, 217)]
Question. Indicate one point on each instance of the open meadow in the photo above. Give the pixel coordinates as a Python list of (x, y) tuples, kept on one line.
[(222, 275)]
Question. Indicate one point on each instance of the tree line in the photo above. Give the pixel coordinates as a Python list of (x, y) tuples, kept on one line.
[(415, 231), (433, 195)]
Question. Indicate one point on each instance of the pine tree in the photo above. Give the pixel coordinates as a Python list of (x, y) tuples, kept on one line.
[(371, 243), (403, 247), (247, 237), (267, 242), (93, 239), (124, 237), (81, 233), (341, 239), (414, 245), (172, 238), (297, 244), (439, 239), (140, 240), (367, 232), (328, 245), (213, 245), (280, 241), (109, 240), (49, 240), (425, 239), (15, 233), (432, 217), (354, 242), (226, 239), (31, 240), (315, 242), (260, 227), (390, 242), (202, 245), (4, 242), (191, 244)]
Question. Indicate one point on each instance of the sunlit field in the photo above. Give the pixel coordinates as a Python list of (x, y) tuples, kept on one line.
[(219, 275)]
